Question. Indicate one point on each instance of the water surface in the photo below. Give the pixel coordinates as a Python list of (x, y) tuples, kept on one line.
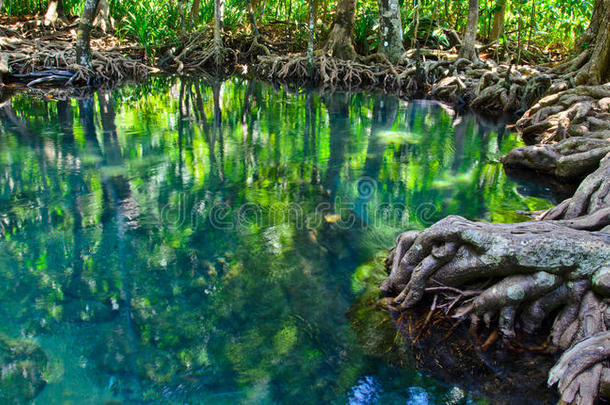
[(193, 242)]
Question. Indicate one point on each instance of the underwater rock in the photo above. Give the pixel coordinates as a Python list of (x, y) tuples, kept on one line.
[(22, 371)]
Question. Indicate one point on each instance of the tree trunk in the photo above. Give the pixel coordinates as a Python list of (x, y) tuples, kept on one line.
[(310, 39), (390, 30), (218, 16), (532, 22), (588, 37), (339, 43), (55, 10), (468, 50), (51, 15), (595, 71), (498, 25), (252, 18), (416, 7), (218, 23), (195, 11), (220, 7), (103, 20), (83, 48)]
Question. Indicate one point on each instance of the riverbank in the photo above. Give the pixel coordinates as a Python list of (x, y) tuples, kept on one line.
[(36, 55), (33, 54)]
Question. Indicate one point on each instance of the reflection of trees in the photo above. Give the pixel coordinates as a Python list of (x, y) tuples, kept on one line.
[(118, 209), (385, 112), (260, 306), (337, 105)]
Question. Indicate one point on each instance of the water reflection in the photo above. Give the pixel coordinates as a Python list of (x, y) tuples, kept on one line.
[(185, 241)]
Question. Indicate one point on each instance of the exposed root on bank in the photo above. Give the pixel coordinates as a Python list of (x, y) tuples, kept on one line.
[(40, 62), (571, 159), (197, 53), (580, 372), (257, 47), (484, 85), (520, 276), (571, 130), (581, 111), (334, 72), (591, 199)]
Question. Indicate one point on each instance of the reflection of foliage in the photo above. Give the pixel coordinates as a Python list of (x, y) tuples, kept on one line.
[(256, 309), (369, 316)]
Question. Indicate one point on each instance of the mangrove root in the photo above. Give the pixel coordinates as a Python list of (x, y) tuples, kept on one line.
[(591, 199), (518, 276), (31, 57), (583, 111), (570, 130)]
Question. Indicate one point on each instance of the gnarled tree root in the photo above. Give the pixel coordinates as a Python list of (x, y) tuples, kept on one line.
[(484, 85), (198, 54), (570, 159), (514, 276), (582, 111), (26, 58), (592, 198), (580, 370), (571, 132)]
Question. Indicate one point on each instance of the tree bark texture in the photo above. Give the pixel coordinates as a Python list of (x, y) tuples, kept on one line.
[(468, 50), (390, 30), (595, 71), (339, 43), (83, 36), (498, 23)]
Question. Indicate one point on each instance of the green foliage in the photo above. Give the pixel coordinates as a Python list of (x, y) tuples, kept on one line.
[(555, 24), (151, 23), (366, 27)]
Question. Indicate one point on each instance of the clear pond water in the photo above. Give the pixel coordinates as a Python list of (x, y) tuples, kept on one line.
[(188, 242)]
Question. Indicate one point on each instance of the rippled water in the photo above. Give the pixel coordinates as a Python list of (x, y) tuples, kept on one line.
[(193, 242)]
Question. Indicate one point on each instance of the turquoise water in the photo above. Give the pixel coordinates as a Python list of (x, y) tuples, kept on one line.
[(190, 242)]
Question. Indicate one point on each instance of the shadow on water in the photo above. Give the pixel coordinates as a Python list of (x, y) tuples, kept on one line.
[(191, 241)]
